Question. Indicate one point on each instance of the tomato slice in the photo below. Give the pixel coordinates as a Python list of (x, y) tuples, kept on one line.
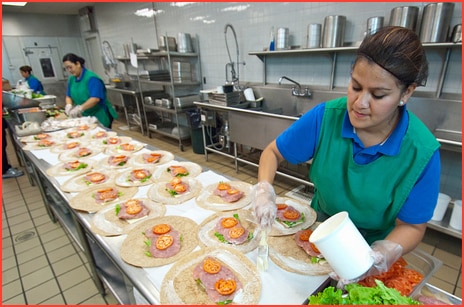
[(229, 222), (164, 242), (281, 206), (225, 286), (133, 206), (291, 214), (236, 232), (223, 186), (161, 229), (305, 234), (211, 266)]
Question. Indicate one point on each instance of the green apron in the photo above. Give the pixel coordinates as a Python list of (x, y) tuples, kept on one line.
[(79, 93), (374, 193)]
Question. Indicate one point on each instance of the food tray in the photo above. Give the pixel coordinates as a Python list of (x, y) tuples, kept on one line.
[(417, 260), (433, 292)]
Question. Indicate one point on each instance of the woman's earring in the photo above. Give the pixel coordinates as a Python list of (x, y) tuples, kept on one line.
[(401, 103)]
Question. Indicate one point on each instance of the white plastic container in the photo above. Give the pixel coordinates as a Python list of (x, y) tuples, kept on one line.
[(456, 215), (442, 205), (343, 246)]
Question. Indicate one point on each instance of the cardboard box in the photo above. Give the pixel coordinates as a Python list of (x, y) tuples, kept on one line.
[(6, 86)]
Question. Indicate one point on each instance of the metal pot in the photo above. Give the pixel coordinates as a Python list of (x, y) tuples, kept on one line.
[(374, 24), (436, 22), (171, 43), (456, 37), (184, 43), (334, 31), (282, 39), (404, 16)]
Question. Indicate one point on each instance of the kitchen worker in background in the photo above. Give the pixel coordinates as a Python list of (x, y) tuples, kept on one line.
[(370, 156), (7, 170), (33, 83), (86, 92)]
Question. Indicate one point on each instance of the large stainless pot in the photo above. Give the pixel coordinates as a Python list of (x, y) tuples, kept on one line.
[(436, 22), (167, 41), (334, 31), (404, 16)]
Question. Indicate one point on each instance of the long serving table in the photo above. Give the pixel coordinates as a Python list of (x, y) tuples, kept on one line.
[(135, 285)]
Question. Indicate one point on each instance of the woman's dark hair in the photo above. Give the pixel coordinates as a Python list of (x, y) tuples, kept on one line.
[(71, 57), (399, 51), (26, 68)]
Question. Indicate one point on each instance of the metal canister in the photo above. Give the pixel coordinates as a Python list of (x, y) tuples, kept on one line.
[(374, 24), (456, 36), (314, 35), (436, 20), (184, 43), (404, 16), (282, 39), (334, 31)]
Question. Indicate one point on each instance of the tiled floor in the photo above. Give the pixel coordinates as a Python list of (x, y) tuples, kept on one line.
[(42, 265)]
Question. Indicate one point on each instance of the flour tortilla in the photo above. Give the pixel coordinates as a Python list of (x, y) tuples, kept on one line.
[(58, 170), (106, 223), (161, 173), (84, 200), (179, 287), (133, 247), (207, 200), (310, 217), (285, 253), (157, 192), (114, 150), (78, 184)]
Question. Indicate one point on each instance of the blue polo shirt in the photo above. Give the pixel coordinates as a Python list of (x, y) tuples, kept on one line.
[(298, 144), (96, 87), (35, 84)]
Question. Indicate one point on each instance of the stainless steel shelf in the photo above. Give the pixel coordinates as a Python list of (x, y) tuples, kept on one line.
[(443, 225)]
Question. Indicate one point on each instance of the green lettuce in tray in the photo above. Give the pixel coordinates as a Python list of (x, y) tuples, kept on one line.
[(360, 295)]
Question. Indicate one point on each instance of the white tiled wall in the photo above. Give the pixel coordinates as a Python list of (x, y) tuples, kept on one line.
[(252, 22)]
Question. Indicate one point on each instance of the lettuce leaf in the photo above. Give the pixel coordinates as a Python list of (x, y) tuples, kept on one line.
[(360, 295)]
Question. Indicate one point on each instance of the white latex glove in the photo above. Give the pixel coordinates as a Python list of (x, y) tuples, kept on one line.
[(76, 111), (384, 253), (263, 201), (67, 108)]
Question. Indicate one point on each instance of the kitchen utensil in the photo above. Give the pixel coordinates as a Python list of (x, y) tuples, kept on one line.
[(334, 31), (436, 20), (343, 246), (440, 208), (374, 24), (282, 39), (171, 43), (30, 115), (456, 215), (314, 35), (184, 42), (456, 36), (404, 16), (262, 262)]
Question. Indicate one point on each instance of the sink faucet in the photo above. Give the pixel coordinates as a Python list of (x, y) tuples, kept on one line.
[(296, 92)]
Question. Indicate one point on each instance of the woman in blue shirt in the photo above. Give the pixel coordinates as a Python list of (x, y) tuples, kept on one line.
[(32, 81), (370, 156)]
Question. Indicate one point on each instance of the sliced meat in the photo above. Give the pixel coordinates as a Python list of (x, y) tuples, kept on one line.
[(233, 197), (151, 157), (139, 175), (124, 212), (168, 252), (118, 160), (306, 245), (72, 165), (220, 193), (112, 141), (83, 152), (177, 171), (228, 233), (106, 195), (285, 214), (96, 177), (209, 281), (178, 186)]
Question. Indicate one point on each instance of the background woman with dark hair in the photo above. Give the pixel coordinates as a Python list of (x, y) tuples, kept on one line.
[(32, 81), (86, 92), (370, 156)]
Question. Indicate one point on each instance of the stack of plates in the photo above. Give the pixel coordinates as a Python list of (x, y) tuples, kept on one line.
[(225, 99)]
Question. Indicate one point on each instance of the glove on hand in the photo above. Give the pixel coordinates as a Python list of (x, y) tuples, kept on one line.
[(67, 108), (384, 253), (263, 200), (76, 111)]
